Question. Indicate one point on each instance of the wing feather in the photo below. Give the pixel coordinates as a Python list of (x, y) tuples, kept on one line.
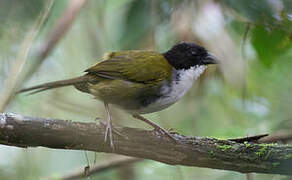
[(137, 66)]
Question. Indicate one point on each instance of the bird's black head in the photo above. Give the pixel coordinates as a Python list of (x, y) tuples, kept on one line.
[(185, 55)]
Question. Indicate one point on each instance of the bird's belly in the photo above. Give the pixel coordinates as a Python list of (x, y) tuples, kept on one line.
[(126, 95), (174, 94), (158, 105)]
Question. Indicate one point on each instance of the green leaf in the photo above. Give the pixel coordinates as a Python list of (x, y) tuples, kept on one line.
[(270, 44)]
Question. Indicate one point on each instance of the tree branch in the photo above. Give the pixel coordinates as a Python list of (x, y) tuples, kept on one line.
[(22, 131)]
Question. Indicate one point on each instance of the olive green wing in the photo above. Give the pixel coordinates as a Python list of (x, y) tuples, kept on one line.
[(137, 66)]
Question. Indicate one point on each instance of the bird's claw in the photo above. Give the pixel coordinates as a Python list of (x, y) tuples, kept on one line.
[(109, 128), (165, 132)]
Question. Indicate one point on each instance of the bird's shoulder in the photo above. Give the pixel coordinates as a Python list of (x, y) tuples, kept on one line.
[(135, 65)]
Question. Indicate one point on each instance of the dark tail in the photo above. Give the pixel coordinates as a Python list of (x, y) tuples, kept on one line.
[(55, 84)]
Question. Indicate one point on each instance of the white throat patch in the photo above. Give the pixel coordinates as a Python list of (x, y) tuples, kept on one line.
[(182, 81), (181, 86)]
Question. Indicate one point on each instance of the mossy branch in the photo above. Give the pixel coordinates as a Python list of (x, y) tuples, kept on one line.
[(22, 131)]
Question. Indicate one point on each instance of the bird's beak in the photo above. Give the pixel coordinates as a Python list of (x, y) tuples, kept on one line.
[(211, 59)]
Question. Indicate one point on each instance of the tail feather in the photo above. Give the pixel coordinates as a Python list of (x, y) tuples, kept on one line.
[(55, 84)]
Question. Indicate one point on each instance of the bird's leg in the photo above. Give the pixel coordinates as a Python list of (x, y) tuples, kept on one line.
[(108, 129), (113, 128), (154, 125)]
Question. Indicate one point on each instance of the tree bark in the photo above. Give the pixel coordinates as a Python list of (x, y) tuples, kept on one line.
[(23, 131)]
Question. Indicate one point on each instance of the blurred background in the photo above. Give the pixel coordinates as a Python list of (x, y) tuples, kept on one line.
[(249, 93)]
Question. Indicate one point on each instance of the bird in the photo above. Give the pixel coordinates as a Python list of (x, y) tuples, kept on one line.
[(139, 81)]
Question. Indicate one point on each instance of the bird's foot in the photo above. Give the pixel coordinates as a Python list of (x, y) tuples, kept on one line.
[(156, 127), (172, 131), (109, 128), (165, 132), (108, 133)]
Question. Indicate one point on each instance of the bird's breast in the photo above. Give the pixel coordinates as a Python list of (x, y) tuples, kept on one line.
[(174, 90)]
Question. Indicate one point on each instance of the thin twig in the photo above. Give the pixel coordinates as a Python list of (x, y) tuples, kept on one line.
[(280, 136), (14, 79), (107, 165), (244, 39), (255, 138), (249, 176), (58, 31)]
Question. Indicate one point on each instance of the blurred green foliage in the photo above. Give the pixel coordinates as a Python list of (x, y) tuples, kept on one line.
[(270, 44), (214, 107)]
